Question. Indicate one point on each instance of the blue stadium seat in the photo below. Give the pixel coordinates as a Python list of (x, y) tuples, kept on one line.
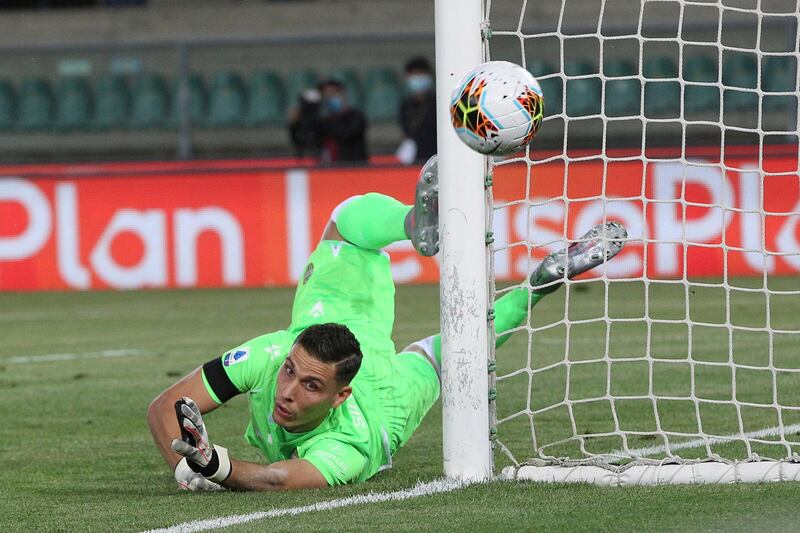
[(583, 95), (739, 70), (266, 102), (779, 74), (73, 104), (383, 94), (150, 107), (552, 86), (226, 102), (661, 98), (299, 80), (702, 99), (36, 105), (198, 101), (112, 103), (623, 97), (8, 106)]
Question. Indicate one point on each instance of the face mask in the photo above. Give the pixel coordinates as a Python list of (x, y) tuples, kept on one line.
[(419, 83), (334, 104)]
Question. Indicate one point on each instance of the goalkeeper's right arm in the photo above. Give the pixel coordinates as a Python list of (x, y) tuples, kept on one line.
[(161, 413)]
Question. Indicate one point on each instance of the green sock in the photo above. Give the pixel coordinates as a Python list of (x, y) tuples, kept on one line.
[(373, 221), (510, 312)]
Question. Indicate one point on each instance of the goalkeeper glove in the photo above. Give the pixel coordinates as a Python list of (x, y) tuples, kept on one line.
[(190, 480), (211, 462)]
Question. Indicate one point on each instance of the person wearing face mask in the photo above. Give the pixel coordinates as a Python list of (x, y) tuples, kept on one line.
[(303, 123), (342, 129), (418, 113)]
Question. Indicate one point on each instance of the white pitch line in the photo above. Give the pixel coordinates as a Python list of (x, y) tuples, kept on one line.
[(22, 359), (421, 489), (767, 432)]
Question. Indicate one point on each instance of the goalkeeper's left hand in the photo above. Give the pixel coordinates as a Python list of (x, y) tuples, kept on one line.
[(190, 480), (212, 462)]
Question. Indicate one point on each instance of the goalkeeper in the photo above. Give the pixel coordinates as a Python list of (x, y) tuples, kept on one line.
[(330, 399)]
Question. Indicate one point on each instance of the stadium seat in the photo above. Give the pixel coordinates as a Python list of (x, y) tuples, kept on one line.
[(112, 103), (150, 102), (297, 81), (266, 101), (735, 100), (739, 70), (378, 75), (583, 95), (198, 102), (661, 98), (348, 77), (383, 95), (226, 102), (779, 74), (36, 105), (8, 106), (73, 104), (622, 96), (541, 68), (700, 98), (551, 84)]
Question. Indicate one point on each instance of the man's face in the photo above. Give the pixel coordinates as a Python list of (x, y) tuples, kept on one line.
[(331, 91), (419, 81), (307, 389), (333, 98)]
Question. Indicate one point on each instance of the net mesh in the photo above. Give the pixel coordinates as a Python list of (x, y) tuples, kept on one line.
[(680, 120)]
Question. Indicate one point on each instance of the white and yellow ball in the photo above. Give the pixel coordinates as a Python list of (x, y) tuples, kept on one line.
[(497, 108)]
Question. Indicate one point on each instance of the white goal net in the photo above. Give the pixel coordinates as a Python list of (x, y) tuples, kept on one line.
[(678, 361)]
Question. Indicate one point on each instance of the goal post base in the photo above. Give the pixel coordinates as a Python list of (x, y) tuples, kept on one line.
[(697, 473)]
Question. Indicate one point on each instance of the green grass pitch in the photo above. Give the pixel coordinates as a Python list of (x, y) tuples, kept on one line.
[(77, 455)]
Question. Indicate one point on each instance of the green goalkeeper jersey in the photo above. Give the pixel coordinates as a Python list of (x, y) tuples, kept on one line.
[(391, 393)]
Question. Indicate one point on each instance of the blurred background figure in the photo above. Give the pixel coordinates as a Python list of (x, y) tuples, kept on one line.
[(342, 129), (418, 113), (304, 124), (323, 124)]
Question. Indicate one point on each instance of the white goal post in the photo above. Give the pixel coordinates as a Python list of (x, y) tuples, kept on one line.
[(463, 255), (678, 362)]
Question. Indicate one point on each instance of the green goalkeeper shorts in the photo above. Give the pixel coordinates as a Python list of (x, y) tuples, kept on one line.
[(413, 392)]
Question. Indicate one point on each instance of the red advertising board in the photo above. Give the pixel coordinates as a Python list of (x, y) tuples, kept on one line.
[(234, 223)]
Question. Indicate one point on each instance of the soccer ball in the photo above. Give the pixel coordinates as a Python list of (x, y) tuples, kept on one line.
[(497, 108)]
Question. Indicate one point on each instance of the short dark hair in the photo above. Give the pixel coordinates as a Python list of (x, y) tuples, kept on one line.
[(418, 63), (333, 83), (333, 343)]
